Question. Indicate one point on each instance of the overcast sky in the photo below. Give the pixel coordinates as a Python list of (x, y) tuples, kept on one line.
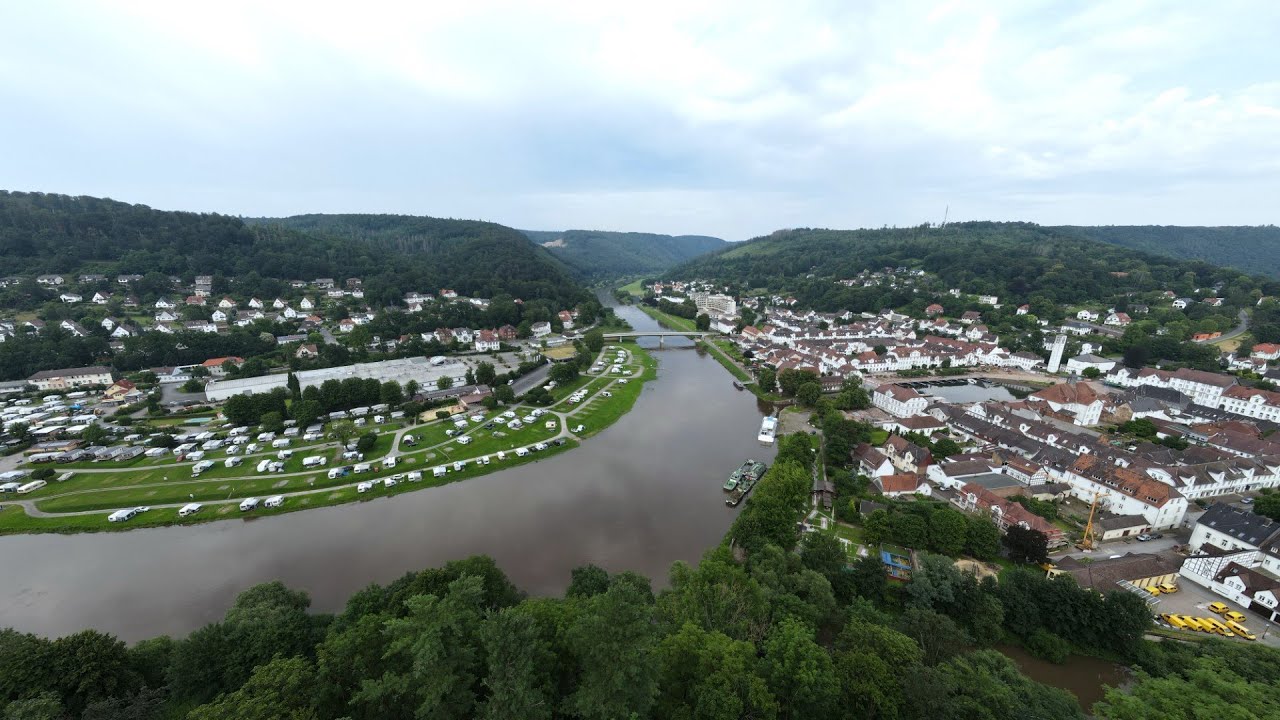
[(725, 118)]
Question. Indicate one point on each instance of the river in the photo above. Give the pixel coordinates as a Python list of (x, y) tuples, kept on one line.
[(1083, 676), (640, 495)]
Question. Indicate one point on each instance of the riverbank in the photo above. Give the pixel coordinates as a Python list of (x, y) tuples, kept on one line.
[(83, 502), (719, 348)]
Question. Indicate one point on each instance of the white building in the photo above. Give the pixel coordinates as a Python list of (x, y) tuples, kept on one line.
[(899, 400), (71, 378), (1078, 364)]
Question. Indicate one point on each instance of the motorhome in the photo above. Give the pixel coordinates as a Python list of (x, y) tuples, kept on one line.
[(232, 462), (521, 452), (389, 482), (189, 509), (415, 476), (274, 501), (314, 461), (122, 515), (281, 443), (249, 504), (439, 471), (31, 486), (339, 472), (364, 487), (363, 467)]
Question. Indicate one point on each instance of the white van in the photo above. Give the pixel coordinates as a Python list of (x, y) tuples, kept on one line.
[(363, 467), (249, 504), (189, 509), (314, 461), (439, 470), (364, 487), (274, 501)]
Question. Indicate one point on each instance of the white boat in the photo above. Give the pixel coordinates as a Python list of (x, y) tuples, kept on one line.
[(768, 429)]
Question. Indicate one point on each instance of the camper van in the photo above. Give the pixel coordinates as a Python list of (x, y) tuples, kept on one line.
[(274, 501), (122, 515), (389, 462), (189, 509), (338, 472), (363, 467), (415, 476), (249, 504), (389, 482), (201, 467), (521, 452), (439, 470), (314, 461), (364, 487), (281, 443)]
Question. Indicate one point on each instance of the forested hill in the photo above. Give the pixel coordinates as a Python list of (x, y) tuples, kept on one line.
[(1252, 249), (1019, 262), (49, 233), (477, 258), (601, 255)]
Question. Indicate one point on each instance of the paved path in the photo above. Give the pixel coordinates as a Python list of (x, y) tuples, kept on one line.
[(1240, 329)]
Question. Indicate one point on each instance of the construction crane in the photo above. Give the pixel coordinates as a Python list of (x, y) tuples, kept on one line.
[(1087, 540)]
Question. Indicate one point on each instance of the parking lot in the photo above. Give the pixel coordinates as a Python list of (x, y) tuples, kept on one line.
[(1191, 599)]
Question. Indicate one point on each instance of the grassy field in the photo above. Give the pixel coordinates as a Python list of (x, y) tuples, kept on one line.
[(164, 481), (634, 288), (670, 321)]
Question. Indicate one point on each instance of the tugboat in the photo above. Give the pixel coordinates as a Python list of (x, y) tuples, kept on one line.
[(750, 476)]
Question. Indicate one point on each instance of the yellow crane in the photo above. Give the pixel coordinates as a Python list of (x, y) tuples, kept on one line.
[(1087, 540)]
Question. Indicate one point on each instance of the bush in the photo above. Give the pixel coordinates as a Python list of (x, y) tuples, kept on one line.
[(1047, 646), (42, 474), (367, 441)]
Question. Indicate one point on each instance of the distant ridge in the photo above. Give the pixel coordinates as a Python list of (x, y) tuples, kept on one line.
[(601, 255)]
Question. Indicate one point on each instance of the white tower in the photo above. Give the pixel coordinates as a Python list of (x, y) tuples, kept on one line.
[(1055, 357)]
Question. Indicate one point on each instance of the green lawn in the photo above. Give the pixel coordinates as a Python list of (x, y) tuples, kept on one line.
[(635, 288), (670, 321)]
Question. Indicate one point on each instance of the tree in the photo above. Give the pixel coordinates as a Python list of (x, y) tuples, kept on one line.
[(938, 635), (94, 434), (982, 538), (343, 430), (808, 394), (947, 532), (485, 373), (519, 668), (702, 322), (272, 422), (1268, 505), (613, 642), (282, 688), (1091, 373), (1026, 545), (708, 675), (587, 581), (504, 394), (562, 373), (411, 389), (367, 441), (767, 379), (444, 383), (594, 340), (798, 671), (192, 386), (295, 388)]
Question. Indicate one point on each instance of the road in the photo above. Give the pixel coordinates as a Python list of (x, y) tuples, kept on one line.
[(528, 382), (1239, 330)]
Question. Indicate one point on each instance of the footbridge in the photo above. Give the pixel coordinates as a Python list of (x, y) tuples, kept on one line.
[(660, 334)]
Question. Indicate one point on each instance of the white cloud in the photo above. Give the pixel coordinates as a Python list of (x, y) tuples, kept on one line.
[(729, 118)]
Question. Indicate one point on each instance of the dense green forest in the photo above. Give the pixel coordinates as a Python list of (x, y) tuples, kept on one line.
[(1252, 249), (766, 626), (598, 255), (1019, 262), (47, 233)]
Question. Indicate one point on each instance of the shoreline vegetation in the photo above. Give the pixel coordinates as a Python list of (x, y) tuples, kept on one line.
[(83, 502)]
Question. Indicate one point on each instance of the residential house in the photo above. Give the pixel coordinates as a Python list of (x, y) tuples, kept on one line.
[(906, 455), (226, 303), (487, 341), (1087, 316), (1117, 319), (566, 319), (217, 367), (122, 391), (50, 279), (899, 400), (1078, 400), (988, 300), (1078, 364), (307, 351), (256, 304), (871, 462), (447, 293), (541, 329), (101, 298), (70, 298), (900, 484), (165, 304), (507, 333), (68, 378)]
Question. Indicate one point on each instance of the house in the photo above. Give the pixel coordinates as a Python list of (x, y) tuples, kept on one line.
[(933, 310), (900, 484), (541, 329), (255, 303), (307, 304), (323, 283), (73, 327), (122, 391), (566, 319), (899, 400), (227, 303), (70, 298), (346, 325), (165, 304), (50, 279), (926, 425), (126, 279), (100, 298), (1213, 301), (970, 317), (217, 367), (1023, 310), (1005, 513), (906, 455), (121, 331), (1087, 316), (1104, 575), (988, 300), (219, 316), (487, 341), (196, 300), (68, 378), (1266, 351), (1078, 364), (871, 462), (447, 293), (1079, 400), (164, 316), (92, 278), (1117, 319), (1226, 528), (1181, 303), (307, 351)]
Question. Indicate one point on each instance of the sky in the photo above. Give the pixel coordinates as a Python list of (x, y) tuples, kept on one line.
[(730, 118)]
